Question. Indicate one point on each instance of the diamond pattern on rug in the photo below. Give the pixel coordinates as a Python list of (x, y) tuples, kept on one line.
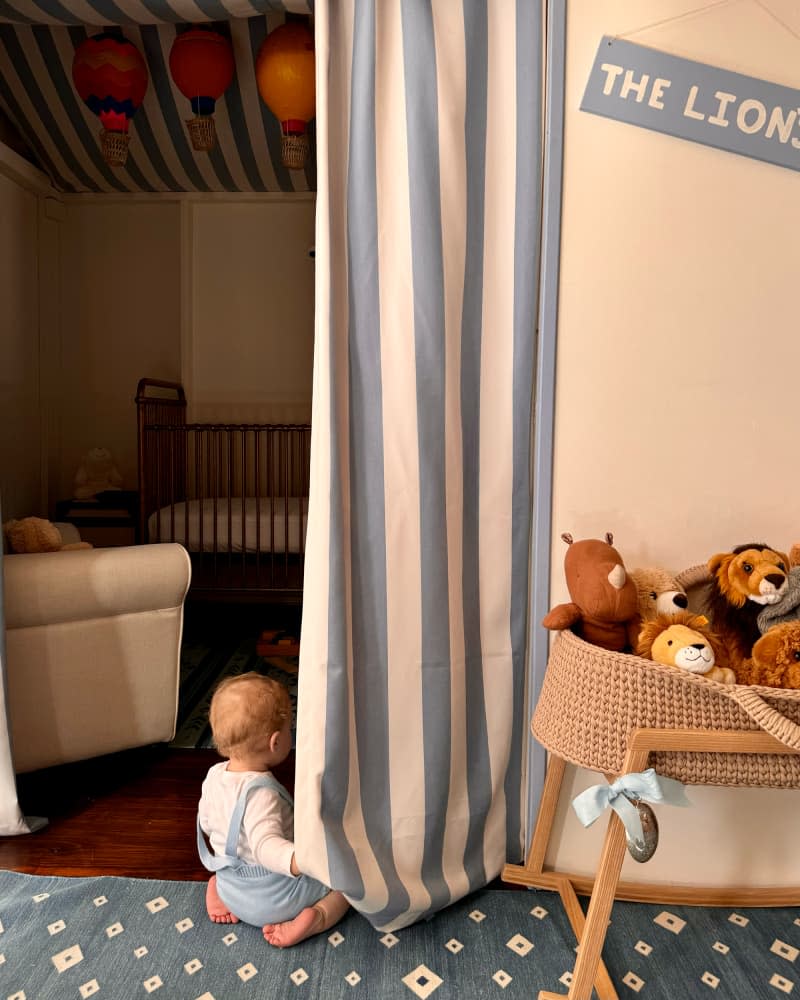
[(164, 945)]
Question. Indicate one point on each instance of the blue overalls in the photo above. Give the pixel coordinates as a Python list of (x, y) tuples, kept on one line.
[(252, 892)]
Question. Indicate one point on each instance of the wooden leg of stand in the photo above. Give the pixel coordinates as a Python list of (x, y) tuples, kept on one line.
[(534, 866), (602, 981), (548, 804), (544, 826)]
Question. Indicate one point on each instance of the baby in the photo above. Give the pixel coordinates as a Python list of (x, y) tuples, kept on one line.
[(248, 817)]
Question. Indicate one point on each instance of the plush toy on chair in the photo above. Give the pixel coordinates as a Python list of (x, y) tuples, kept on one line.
[(604, 598), (36, 534)]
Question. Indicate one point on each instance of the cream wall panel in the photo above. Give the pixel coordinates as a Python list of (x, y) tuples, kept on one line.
[(676, 370), (21, 481), (121, 321), (252, 305)]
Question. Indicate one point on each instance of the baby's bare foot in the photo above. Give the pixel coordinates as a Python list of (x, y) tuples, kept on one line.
[(216, 909), (308, 922)]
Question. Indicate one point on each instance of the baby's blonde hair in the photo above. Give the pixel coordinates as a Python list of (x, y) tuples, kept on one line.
[(246, 710)]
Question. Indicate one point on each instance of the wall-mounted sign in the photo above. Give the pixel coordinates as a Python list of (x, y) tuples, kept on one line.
[(741, 114)]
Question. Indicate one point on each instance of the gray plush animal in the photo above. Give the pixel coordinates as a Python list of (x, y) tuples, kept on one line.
[(788, 607)]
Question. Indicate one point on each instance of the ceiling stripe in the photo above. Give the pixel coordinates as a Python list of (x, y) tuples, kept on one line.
[(9, 13), (251, 103), (39, 115), (13, 110)]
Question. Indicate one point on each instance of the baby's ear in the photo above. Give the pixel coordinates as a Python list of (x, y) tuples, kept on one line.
[(273, 741)]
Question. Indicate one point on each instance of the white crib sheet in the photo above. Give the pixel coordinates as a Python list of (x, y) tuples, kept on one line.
[(251, 529)]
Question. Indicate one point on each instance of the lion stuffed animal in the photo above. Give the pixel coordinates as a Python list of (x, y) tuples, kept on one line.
[(603, 595), (684, 640), (776, 658), (743, 582)]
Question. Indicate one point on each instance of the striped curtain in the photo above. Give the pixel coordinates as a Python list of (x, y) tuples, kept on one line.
[(411, 728)]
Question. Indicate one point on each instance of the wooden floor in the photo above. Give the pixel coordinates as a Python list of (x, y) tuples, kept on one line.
[(126, 814)]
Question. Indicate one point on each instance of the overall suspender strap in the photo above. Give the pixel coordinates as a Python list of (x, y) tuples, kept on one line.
[(230, 858), (232, 843)]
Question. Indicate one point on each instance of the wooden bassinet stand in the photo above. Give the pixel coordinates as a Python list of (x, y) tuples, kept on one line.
[(618, 714)]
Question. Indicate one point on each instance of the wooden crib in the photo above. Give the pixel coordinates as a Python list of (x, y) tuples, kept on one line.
[(234, 495)]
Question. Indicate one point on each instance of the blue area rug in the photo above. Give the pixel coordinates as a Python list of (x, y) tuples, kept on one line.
[(205, 660), (117, 939)]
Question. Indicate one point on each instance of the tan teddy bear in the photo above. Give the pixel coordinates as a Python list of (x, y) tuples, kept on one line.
[(659, 593), (36, 534)]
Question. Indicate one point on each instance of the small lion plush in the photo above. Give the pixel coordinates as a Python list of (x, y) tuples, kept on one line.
[(776, 658), (659, 593), (684, 640), (603, 595), (743, 582), (36, 534)]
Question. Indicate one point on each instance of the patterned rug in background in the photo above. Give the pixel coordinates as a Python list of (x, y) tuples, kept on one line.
[(204, 662), (118, 938)]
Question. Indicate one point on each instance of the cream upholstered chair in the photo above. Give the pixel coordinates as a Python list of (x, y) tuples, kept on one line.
[(92, 650)]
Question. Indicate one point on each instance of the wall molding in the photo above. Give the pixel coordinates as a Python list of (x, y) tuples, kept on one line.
[(19, 170)]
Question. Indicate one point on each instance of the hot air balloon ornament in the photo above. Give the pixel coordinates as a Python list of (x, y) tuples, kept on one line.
[(286, 82), (202, 65), (110, 76)]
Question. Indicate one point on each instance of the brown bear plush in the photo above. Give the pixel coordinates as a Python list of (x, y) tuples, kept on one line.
[(743, 582), (685, 641), (603, 596), (776, 658), (659, 593), (37, 534)]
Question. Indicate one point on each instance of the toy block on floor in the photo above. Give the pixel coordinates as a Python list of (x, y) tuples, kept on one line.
[(276, 642)]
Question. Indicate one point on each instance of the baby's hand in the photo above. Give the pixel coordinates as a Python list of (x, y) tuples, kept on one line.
[(293, 867)]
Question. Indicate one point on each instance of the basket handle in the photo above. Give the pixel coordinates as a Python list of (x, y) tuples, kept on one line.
[(769, 718)]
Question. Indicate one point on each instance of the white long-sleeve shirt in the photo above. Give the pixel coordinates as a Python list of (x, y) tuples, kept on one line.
[(267, 834)]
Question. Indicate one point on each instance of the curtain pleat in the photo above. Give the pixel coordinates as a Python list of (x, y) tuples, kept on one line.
[(410, 725)]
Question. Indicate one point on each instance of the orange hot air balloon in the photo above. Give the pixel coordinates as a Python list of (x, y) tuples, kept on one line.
[(110, 76), (286, 82), (202, 65)]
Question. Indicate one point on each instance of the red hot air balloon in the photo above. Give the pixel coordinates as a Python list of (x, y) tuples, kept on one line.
[(110, 76), (202, 65)]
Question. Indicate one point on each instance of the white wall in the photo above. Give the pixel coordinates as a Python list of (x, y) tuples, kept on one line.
[(251, 349), (677, 362), (22, 480), (121, 291), (215, 292)]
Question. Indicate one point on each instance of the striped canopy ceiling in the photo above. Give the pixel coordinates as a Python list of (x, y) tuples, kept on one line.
[(38, 39)]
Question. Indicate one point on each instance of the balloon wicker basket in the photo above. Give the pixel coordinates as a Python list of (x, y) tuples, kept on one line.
[(114, 146), (202, 132), (294, 151)]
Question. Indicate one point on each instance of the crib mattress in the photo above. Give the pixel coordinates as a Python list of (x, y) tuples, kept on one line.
[(255, 525)]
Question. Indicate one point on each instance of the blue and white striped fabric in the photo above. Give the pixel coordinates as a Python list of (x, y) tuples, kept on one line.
[(105, 12), (37, 94), (411, 726)]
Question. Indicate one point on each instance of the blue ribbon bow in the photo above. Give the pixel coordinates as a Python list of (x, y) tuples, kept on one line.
[(645, 785)]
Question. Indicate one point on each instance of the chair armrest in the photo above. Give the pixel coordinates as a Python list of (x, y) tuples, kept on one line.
[(50, 588)]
